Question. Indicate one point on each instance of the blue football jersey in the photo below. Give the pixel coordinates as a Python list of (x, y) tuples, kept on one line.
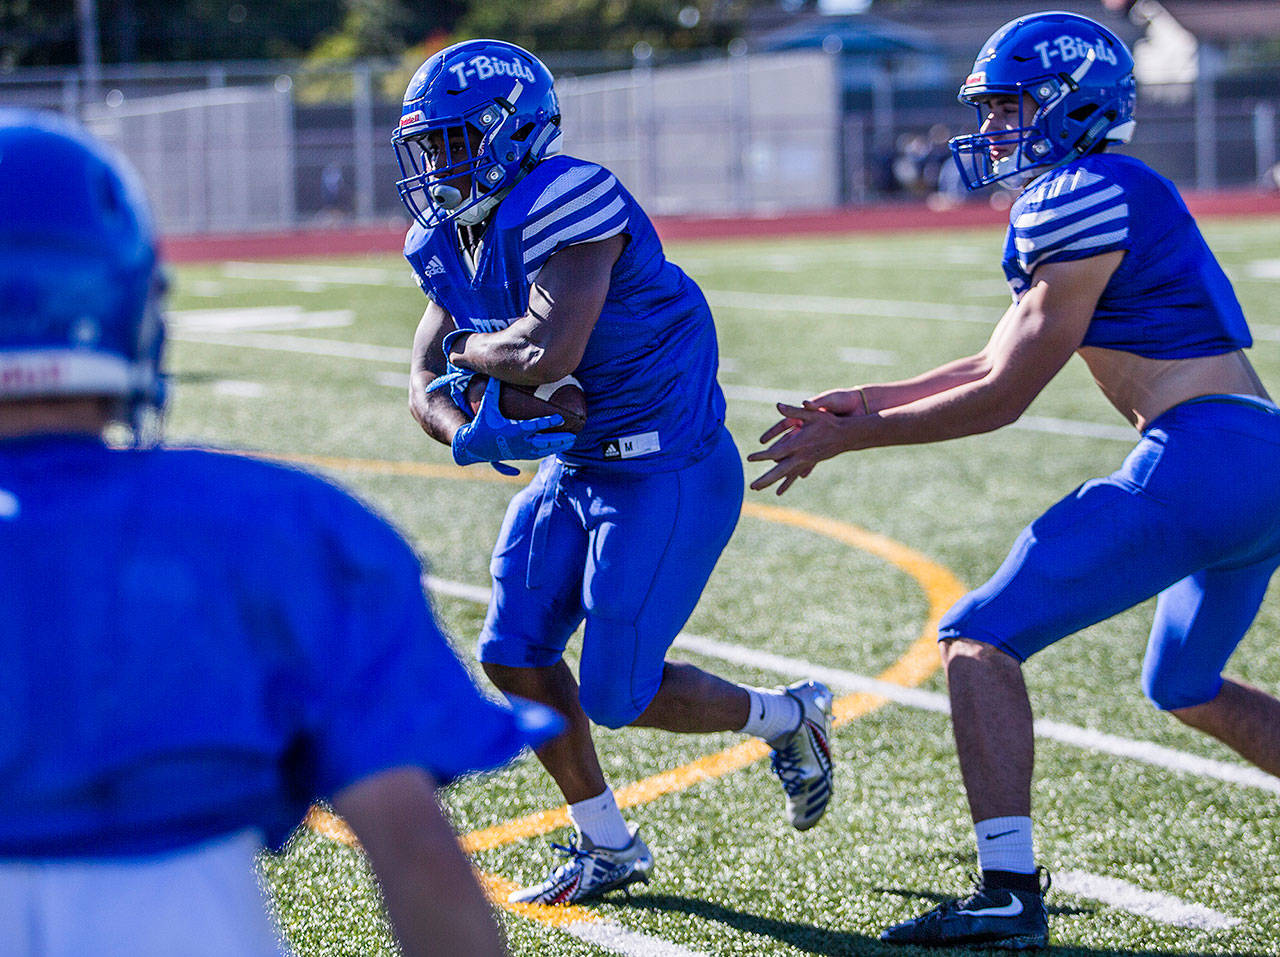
[(197, 643), (649, 370), (1169, 298)]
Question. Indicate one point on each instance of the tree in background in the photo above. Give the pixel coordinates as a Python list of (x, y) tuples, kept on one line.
[(550, 25), (44, 32)]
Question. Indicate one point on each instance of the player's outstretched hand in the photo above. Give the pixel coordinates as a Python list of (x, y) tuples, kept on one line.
[(806, 435), (491, 437)]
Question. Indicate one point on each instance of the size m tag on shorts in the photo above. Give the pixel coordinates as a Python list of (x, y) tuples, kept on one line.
[(630, 446)]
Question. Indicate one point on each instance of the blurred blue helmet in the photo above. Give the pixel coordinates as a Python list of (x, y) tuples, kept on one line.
[(80, 286), (492, 106), (1079, 77)]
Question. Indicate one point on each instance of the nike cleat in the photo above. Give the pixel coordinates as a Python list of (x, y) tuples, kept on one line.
[(590, 872), (802, 758), (1000, 918)]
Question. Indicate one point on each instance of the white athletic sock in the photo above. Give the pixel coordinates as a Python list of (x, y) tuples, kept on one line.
[(600, 822), (773, 713), (1004, 844)]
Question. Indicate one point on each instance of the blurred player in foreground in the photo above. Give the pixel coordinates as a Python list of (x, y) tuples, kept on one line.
[(539, 266), (1105, 261), (195, 645)]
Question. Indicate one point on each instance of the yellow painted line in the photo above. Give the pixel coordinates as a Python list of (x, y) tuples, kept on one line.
[(940, 586)]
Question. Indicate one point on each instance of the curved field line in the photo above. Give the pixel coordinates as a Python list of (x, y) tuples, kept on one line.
[(918, 662)]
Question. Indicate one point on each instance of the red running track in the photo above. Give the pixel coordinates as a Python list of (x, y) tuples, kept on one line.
[(903, 217)]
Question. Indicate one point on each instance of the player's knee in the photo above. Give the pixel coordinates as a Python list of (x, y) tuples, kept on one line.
[(1171, 688), (608, 706)]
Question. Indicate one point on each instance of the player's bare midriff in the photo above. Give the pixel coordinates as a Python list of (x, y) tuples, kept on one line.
[(1142, 388)]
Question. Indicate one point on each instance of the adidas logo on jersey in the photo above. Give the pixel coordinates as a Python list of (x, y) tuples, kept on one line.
[(483, 67), (631, 446), (434, 267), (1068, 48)]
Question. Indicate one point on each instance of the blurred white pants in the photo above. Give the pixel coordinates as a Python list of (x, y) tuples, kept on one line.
[(202, 901)]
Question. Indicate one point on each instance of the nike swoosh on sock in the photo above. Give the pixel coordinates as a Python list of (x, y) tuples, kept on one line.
[(992, 837)]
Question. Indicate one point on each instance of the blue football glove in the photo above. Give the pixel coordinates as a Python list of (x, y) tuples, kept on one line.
[(450, 338), (455, 382), (491, 437)]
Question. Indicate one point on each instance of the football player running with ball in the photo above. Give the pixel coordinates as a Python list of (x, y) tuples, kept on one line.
[(196, 645), (1104, 261), (540, 266)]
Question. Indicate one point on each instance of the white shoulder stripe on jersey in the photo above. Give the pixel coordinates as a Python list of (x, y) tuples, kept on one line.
[(1032, 244), (569, 208), (564, 183), (1080, 179), (1089, 242), (611, 230), (1042, 216), (579, 231)]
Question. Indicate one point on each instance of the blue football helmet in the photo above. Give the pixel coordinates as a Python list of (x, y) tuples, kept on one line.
[(80, 285), (1079, 78), (492, 106)]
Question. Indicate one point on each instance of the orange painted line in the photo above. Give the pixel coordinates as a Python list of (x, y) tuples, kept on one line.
[(497, 889)]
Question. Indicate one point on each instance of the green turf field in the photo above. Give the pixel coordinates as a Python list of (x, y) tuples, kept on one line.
[(309, 359)]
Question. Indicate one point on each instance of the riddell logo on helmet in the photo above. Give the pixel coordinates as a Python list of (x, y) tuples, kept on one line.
[(483, 67), (409, 119), (1065, 49)]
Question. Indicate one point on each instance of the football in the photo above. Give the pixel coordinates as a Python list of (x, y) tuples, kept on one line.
[(564, 397)]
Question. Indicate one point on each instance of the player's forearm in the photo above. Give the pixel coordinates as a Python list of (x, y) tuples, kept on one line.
[(523, 352), (968, 408), (888, 395), (435, 412)]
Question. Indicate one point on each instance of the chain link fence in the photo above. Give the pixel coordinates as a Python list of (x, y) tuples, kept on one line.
[(259, 146)]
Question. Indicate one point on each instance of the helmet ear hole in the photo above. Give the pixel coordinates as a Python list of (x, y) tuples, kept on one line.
[(1082, 113), (522, 133)]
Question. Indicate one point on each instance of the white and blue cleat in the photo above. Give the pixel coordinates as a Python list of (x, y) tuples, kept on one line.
[(591, 872), (802, 758)]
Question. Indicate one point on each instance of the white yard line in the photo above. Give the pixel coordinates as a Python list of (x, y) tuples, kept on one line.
[(848, 681), (255, 319), (1087, 430), (305, 345), (620, 940), (931, 701), (867, 357), (318, 274), (845, 306), (1156, 906), (240, 389)]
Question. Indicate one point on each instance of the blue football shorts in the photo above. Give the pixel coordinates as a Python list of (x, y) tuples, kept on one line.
[(1193, 516), (629, 553)]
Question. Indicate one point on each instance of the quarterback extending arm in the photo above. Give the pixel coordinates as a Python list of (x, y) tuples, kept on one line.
[(1033, 340), (547, 342)]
